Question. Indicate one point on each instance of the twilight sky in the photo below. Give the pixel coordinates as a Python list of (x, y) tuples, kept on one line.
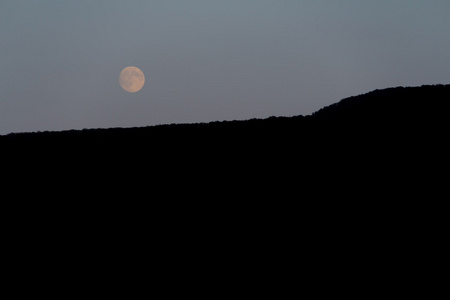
[(208, 60)]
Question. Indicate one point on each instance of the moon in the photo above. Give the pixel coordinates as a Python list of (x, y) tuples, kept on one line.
[(132, 79)]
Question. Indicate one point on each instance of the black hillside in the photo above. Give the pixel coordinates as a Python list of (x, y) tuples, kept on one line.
[(401, 106), (366, 173), (399, 131)]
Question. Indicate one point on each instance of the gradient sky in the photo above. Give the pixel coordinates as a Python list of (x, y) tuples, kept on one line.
[(208, 60)]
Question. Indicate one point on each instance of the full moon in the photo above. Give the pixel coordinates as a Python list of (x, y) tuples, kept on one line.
[(132, 79)]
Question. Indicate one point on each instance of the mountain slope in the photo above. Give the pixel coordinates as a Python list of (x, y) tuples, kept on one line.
[(400, 103), (378, 160), (393, 129), (417, 106)]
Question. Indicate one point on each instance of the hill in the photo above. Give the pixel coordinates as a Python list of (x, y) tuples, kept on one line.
[(391, 131), (349, 183), (414, 106)]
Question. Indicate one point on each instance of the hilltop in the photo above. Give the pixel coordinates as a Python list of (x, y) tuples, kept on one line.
[(391, 131), (371, 161), (413, 105)]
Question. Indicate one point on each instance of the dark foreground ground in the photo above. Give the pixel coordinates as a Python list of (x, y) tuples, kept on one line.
[(357, 186), (366, 139)]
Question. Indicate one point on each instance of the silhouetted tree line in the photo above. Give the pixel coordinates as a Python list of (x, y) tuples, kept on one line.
[(369, 167), (415, 105), (394, 132)]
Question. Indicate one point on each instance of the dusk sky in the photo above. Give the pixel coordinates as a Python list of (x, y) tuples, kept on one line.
[(208, 60)]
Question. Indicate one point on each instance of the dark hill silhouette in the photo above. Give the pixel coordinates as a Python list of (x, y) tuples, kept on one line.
[(398, 116), (399, 129), (402, 116), (345, 185), (401, 106), (395, 104)]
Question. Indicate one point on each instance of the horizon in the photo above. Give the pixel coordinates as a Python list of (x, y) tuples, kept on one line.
[(318, 111), (208, 61)]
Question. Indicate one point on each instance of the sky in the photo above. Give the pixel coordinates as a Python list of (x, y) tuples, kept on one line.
[(208, 60)]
